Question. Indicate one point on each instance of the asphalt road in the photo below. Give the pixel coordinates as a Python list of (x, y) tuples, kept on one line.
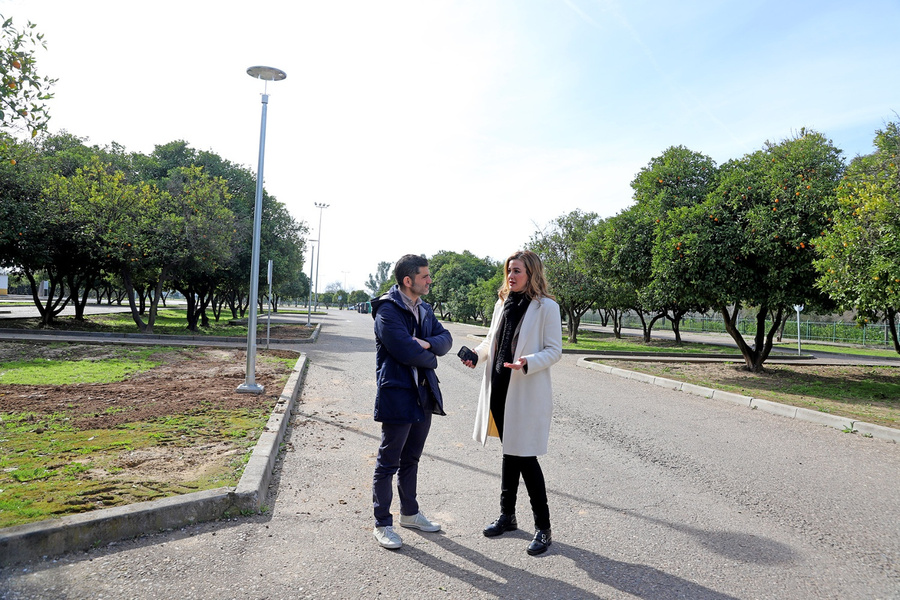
[(654, 494)]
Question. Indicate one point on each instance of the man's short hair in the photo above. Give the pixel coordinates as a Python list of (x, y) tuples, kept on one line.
[(408, 266)]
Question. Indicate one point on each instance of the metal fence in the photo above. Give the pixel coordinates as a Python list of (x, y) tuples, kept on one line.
[(838, 332)]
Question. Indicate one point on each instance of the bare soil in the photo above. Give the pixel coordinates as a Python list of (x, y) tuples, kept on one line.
[(186, 400), (191, 381)]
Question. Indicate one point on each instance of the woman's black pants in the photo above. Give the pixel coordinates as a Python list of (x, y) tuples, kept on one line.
[(530, 470)]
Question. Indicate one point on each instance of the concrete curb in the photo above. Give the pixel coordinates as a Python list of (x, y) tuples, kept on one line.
[(79, 532), (803, 414)]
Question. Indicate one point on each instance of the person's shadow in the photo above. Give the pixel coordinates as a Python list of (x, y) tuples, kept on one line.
[(641, 581)]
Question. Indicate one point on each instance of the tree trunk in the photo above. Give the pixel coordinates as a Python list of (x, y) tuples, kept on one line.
[(55, 305), (754, 357), (129, 293), (571, 324), (892, 323), (617, 323), (78, 294), (192, 315)]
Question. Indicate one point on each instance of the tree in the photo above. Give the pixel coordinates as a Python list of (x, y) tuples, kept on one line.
[(678, 178), (42, 237), (339, 295), (453, 273), (376, 282), (357, 296), (483, 295), (82, 208), (565, 264), (23, 91), (859, 255), (198, 237), (750, 244)]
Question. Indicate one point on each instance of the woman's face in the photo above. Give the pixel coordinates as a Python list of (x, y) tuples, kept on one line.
[(517, 277)]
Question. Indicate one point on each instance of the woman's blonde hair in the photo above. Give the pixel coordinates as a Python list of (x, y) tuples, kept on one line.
[(537, 286)]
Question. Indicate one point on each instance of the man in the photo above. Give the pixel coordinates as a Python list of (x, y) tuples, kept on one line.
[(408, 340)]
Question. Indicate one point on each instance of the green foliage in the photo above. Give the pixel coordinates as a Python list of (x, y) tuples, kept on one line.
[(750, 243), (22, 90), (859, 254), (561, 248), (357, 296), (454, 276), (378, 283)]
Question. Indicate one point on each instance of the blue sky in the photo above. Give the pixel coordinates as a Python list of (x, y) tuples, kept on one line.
[(436, 125)]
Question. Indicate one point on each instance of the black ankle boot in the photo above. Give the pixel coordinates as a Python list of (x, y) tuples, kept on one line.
[(503, 524), (540, 543)]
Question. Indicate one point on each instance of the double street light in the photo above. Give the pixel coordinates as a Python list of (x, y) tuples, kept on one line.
[(266, 74)]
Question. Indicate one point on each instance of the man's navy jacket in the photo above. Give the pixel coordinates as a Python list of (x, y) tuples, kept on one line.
[(401, 364)]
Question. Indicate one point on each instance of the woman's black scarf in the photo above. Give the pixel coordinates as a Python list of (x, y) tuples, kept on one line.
[(513, 310)]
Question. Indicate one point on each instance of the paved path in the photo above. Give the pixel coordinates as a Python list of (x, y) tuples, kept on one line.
[(654, 494)]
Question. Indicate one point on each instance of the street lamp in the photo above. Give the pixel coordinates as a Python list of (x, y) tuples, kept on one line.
[(312, 259), (267, 74), (320, 206)]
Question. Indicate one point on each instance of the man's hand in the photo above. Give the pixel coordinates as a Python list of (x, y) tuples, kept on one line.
[(423, 343)]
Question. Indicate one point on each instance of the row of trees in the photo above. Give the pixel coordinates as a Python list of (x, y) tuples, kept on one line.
[(788, 225), (87, 219), (106, 220)]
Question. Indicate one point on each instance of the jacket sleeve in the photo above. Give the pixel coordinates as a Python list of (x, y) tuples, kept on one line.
[(391, 329), (551, 336), (440, 339)]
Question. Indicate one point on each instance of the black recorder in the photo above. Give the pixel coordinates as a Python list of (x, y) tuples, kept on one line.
[(465, 354)]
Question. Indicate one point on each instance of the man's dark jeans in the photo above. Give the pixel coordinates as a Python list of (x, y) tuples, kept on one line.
[(401, 447)]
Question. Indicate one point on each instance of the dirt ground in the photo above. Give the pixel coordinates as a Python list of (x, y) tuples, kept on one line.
[(190, 382), (191, 379)]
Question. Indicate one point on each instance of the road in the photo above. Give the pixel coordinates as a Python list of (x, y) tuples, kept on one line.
[(654, 494)]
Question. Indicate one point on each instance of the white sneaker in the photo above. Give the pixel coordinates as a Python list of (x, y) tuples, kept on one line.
[(419, 521), (387, 537)]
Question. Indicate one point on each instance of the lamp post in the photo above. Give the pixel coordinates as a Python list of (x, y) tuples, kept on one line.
[(312, 259), (320, 206), (266, 74)]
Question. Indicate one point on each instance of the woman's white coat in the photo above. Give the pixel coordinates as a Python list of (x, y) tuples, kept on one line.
[(529, 401)]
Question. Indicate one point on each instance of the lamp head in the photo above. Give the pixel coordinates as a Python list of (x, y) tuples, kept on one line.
[(266, 73)]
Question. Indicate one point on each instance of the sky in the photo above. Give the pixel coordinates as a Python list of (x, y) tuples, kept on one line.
[(430, 125)]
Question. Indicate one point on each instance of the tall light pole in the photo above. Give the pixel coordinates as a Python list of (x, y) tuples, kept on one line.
[(320, 206), (312, 259), (266, 74)]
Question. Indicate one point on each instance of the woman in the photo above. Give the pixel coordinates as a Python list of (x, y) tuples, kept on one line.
[(516, 399)]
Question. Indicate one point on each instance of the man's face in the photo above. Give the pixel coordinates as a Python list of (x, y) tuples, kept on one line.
[(421, 284)]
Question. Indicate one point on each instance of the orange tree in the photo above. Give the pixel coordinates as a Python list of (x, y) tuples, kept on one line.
[(454, 276), (22, 90), (678, 178), (859, 256), (561, 248), (750, 243)]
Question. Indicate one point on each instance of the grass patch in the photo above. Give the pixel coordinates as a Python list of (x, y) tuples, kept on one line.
[(605, 342), (178, 428), (57, 472), (860, 393), (836, 349), (62, 371)]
